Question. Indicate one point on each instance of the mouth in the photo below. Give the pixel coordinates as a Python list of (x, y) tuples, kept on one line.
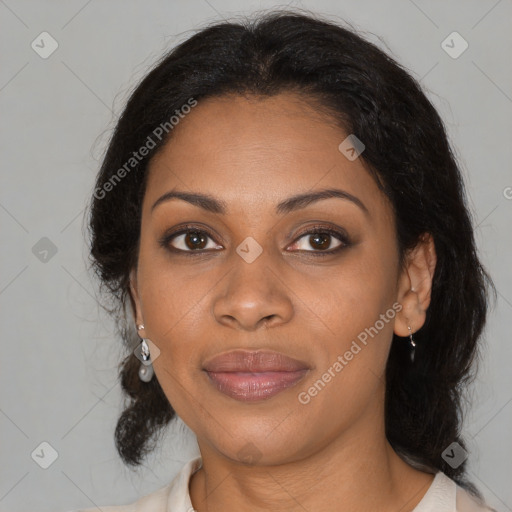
[(252, 376)]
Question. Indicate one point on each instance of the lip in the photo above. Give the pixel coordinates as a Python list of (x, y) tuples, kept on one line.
[(250, 387), (254, 361), (254, 375)]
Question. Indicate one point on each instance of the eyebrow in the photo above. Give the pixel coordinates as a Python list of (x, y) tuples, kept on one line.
[(297, 202)]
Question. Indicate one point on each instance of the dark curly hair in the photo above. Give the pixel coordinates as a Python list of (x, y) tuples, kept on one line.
[(408, 154)]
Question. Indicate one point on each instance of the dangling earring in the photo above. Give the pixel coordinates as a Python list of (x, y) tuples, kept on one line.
[(146, 371), (413, 344)]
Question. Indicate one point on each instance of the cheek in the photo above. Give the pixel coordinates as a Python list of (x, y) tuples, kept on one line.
[(172, 310), (357, 316), (173, 316), (355, 293), (171, 293), (357, 309)]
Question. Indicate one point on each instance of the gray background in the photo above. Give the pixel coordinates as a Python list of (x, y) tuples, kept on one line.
[(59, 354)]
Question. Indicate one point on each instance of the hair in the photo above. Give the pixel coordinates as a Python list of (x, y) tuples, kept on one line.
[(406, 151)]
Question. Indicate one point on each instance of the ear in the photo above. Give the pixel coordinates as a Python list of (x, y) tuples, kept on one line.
[(415, 286), (134, 298)]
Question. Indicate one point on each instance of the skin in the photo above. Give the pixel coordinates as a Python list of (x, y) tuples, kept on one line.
[(331, 453)]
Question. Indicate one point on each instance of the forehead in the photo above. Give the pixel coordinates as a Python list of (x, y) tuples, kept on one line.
[(254, 151)]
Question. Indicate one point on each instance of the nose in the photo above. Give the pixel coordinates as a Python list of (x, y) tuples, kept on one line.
[(253, 296)]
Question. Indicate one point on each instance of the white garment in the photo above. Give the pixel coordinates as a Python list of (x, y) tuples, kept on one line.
[(443, 495)]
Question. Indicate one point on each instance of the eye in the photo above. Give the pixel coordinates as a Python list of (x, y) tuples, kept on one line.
[(188, 239), (322, 240)]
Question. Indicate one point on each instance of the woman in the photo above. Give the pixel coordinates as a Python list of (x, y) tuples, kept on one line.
[(281, 221)]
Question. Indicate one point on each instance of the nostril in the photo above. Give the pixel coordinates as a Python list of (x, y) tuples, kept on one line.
[(267, 319)]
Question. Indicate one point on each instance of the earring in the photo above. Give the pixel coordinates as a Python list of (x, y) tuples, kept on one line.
[(413, 344), (146, 371)]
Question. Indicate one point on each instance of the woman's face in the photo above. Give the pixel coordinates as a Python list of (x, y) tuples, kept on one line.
[(253, 279)]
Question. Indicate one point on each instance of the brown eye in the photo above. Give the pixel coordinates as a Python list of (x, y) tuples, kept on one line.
[(195, 240), (189, 240), (321, 240)]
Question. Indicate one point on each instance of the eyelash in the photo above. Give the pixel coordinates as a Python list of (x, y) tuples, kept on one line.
[(318, 229)]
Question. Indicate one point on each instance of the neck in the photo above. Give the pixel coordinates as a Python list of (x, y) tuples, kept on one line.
[(357, 471)]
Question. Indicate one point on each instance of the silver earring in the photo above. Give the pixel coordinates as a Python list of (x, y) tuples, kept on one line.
[(413, 344), (146, 371)]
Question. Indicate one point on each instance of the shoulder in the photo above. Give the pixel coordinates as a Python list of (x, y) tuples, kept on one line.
[(466, 502), (174, 497), (444, 495)]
